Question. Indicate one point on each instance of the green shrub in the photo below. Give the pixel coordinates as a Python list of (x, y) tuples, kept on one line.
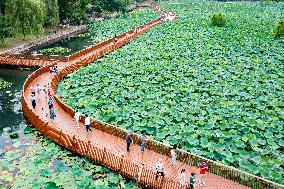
[(218, 19), (279, 29)]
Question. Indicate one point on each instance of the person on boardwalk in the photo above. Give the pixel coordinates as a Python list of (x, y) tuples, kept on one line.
[(160, 169), (77, 118), (139, 174), (33, 90), (33, 101), (88, 123), (203, 168), (51, 69), (182, 180), (128, 140), (55, 69), (45, 91), (38, 89), (174, 156), (192, 181), (50, 103), (48, 92), (143, 141), (52, 114), (43, 114)]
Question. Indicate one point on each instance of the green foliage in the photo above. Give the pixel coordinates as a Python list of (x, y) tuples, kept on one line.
[(215, 93), (54, 51), (4, 84), (101, 31), (73, 10), (51, 12), (2, 7), (5, 30), (26, 16), (218, 19), (37, 162), (113, 5), (279, 29)]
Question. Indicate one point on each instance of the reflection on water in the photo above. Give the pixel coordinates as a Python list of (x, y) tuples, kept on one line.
[(10, 99), (74, 43), (11, 117)]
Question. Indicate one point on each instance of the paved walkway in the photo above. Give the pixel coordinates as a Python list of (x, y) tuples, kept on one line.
[(117, 145)]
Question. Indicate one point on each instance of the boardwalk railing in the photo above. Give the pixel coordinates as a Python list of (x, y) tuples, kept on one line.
[(29, 60), (216, 168), (122, 164), (98, 154)]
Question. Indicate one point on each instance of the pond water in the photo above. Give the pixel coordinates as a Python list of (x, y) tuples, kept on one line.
[(75, 44), (30, 160)]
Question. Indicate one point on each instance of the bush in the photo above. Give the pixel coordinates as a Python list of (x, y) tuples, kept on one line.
[(279, 29), (218, 19)]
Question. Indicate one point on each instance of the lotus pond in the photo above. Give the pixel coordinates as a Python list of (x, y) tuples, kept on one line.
[(100, 31), (29, 160), (214, 91)]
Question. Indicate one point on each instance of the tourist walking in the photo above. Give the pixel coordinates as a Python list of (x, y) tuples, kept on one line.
[(182, 179), (33, 90), (160, 169), (48, 92), (203, 168), (33, 101), (38, 89), (45, 91), (174, 156), (50, 103), (128, 140), (77, 118), (140, 172), (192, 181), (143, 141), (88, 123), (43, 114), (52, 114)]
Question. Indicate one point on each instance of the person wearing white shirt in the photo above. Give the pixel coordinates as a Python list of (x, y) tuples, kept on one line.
[(182, 180), (77, 118), (88, 123), (160, 169)]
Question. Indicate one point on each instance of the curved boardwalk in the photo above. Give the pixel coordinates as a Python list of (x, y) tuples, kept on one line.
[(106, 143)]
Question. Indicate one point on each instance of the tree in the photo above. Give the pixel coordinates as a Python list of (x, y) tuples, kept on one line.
[(2, 7), (112, 5), (73, 10), (5, 30), (26, 16), (51, 12)]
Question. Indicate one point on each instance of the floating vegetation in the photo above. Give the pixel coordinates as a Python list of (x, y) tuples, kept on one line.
[(4, 84)]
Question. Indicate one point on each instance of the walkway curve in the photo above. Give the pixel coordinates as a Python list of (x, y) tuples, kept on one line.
[(105, 144)]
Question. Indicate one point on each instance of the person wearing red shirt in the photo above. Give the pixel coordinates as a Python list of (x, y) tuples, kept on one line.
[(203, 168)]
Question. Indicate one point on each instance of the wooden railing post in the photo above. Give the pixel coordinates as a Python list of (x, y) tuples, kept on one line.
[(58, 140), (73, 147), (121, 163), (104, 155)]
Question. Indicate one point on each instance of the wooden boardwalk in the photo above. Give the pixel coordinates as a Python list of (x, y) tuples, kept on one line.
[(106, 143)]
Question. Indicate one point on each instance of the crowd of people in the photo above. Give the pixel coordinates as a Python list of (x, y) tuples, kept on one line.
[(53, 69), (35, 97), (184, 184), (160, 170)]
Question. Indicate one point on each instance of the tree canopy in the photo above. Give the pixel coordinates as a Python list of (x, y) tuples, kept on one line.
[(27, 16)]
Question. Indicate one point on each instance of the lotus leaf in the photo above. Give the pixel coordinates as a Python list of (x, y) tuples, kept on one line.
[(186, 81)]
